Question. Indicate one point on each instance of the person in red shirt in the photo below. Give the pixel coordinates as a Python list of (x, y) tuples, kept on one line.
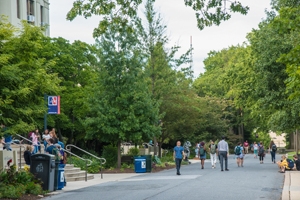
[(246, 147)]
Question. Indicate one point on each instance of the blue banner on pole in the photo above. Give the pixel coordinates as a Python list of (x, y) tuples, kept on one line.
[(54, 105)]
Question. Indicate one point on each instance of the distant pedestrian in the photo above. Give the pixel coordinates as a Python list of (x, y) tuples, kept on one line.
[(261, 153), (273, 149), (246, 147), (178, 155), (27, 155), (35, 137), (213, 148), (255, 149), (202, 154), (239, 153), (223, 152)]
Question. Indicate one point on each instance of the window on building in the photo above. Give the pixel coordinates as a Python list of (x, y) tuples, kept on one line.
[(18, 9), (30, 7), (42, 15)]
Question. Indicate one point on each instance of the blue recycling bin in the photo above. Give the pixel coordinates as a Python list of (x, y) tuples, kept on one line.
[(140, 165), (61, 176)]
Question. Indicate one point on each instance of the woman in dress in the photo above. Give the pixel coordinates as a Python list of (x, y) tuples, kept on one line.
[(255, 149), (202, 154)]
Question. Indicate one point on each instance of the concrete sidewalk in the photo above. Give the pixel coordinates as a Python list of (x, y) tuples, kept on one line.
[(291, 187), (97, 180)]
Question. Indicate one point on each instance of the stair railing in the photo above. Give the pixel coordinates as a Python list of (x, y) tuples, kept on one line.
[(24, 138), (20, 146), (102, 160), (86, 161)]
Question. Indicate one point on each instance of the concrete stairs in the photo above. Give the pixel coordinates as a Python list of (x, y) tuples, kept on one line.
[(76, 174), (71, 173)]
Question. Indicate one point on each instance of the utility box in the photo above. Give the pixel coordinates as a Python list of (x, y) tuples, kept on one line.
[(43, 167), (8, 158)]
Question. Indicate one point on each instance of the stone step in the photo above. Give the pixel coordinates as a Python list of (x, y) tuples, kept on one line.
[(69, 166), (75, 174), (80, 178), (72, 170)]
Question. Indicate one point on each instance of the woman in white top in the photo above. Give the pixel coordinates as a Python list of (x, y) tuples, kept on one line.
[(255, 148), (45, 137)]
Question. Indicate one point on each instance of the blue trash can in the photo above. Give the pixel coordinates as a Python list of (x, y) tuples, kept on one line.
[(140, 165), (61, 176)]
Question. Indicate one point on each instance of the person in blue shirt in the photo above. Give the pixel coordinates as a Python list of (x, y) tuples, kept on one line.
[(178, 155), (7, 141)]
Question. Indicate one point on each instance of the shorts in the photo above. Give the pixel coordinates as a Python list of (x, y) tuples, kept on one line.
[(241, 156), (203, 157)]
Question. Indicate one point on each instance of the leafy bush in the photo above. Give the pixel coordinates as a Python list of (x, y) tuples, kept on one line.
[(110, 153), (93, 168), (133, 151), (13, 184)]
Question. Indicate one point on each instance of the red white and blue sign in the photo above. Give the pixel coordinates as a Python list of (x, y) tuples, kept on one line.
[(53, 105)]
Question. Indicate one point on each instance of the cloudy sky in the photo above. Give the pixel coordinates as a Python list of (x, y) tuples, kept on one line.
[(181, 23)]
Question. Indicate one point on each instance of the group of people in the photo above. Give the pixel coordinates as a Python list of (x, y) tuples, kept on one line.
[(221, 150)]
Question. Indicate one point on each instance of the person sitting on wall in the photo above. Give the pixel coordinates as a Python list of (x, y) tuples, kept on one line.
[(297, 163)]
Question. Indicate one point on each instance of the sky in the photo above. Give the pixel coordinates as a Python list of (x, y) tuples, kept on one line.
[(181, 24)]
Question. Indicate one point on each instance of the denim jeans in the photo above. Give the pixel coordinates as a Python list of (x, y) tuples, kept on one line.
[(178, 163), (273, 155)]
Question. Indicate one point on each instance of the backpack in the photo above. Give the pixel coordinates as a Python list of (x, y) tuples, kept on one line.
[(274, 148), (261, 150), (65, 158), (56, 153), (201, 151), (212, 148), (237, 150), (290, 163)]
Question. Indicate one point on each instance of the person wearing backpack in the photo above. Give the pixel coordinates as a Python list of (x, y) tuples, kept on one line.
[(202, 154), (285, 164), (238, 151), (273, 150), (261, 153), (213, 154)]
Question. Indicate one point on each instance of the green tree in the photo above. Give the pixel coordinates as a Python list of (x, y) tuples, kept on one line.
[(24, 77), (120, 12), (121, 108)]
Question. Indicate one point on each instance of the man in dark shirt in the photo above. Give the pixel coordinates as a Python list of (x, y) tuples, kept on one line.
[(297, 162), (50, 146)]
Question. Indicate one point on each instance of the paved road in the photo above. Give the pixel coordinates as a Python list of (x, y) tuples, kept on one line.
[(253, 181)]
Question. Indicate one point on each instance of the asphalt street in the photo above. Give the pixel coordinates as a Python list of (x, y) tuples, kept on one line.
[(253, 181)]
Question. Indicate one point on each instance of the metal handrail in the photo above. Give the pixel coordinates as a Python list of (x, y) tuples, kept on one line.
[(24, 138), (102, 160), (20, 145), (86, 164)]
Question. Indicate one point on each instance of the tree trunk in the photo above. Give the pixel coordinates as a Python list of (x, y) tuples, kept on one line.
[(119, 155), (154, 145), (159, 149), (297, 141), (59, 135)]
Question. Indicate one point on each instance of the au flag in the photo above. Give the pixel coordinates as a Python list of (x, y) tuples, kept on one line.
[(53, 104)]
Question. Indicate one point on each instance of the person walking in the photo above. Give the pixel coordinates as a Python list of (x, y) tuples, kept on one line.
[(178, 155), (213, 154), (273, 149), (238, 150), (261, 153), (246, 147), (255, 149), (223, 152), (202, 154)]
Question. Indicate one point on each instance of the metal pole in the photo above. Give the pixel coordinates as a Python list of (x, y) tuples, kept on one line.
[(20, 157), (45, 115), (86, 170), (101, 169)]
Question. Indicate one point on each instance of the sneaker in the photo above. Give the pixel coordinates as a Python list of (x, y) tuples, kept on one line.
[(226, 169), (212, 167)]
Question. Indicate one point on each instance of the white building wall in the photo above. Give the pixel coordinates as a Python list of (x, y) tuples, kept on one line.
[(9, 9)]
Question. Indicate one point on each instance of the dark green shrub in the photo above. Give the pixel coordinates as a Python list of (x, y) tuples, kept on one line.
[(133, 151), (33, 188), (110, 153)]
